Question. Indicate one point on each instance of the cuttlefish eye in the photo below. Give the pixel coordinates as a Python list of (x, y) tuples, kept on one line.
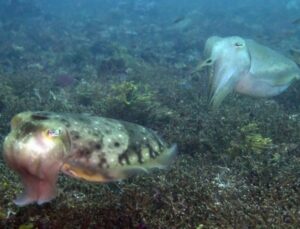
[(209, 61), (54, 132), (238, 44)]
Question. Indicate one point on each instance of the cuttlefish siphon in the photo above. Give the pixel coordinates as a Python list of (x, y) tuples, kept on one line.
[(244, 66), (97, 149)]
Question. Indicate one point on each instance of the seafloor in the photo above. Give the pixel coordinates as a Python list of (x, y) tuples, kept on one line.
[(237, 167)]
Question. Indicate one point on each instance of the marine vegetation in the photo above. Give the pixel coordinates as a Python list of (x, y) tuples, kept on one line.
[(133, 101), (250, 141), (255, 141)]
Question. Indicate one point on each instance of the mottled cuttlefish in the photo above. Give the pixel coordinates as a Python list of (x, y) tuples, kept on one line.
[(97, 149)]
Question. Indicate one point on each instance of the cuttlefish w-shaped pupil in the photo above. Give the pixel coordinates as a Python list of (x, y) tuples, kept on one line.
[(209, 61), (238, 44), (54, 132)]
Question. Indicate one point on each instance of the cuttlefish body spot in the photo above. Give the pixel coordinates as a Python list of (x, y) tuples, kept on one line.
[(43, 144), (244, 66)]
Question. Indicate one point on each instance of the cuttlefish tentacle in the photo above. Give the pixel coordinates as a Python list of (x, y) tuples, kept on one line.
[(244, 66)]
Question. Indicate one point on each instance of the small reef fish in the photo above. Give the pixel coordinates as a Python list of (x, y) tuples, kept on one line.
[(247, 67), (96, 149), (178, 19), (296, 21)]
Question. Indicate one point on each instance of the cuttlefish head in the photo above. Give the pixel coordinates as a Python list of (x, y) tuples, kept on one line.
[(229, 60), (35, 148)]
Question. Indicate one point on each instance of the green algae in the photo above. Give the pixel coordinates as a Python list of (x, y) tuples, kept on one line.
[(131, 94), (26, 226), (249, 140), (254, 141), (257, 143)]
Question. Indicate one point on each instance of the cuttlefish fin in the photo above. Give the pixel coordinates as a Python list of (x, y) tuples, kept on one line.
[(82, 171)]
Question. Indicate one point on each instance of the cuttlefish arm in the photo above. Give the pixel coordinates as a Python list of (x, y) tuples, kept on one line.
[(37, 168), (230, 60), (35, 151)]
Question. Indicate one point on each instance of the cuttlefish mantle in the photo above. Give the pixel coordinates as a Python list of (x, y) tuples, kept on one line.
[(247, 67)]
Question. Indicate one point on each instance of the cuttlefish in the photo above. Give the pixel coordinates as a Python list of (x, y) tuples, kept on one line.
[(90, 148), (247, 67)]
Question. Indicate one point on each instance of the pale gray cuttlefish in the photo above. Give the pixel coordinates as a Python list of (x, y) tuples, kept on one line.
[(97, 149), (244, 66)]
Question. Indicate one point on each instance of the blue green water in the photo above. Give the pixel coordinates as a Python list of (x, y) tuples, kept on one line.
[(135, 60)]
